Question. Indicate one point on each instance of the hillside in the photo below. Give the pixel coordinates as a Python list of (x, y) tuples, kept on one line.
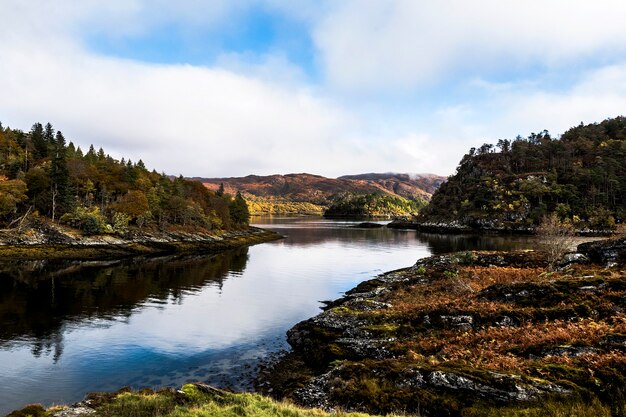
[(580, 176), (283, 191), (43, 178), (372, 206)]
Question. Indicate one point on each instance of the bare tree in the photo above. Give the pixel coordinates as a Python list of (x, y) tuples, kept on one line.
[(556, 238)]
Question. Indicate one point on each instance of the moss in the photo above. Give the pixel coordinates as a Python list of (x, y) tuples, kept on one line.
[(33, 410), (383, 329)]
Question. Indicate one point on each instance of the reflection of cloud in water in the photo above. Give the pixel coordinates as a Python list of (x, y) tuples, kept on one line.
[(169, 321)]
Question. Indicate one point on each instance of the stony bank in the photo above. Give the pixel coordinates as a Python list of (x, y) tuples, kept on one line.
[(470, 334)]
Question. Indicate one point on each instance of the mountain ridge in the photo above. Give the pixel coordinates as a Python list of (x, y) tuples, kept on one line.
[(320, 190)]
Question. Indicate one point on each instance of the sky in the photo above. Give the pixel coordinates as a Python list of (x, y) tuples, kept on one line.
[(220, 88)]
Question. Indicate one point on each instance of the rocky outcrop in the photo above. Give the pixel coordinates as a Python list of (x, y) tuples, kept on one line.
[(46, 241), (414, 339), (611, 251)]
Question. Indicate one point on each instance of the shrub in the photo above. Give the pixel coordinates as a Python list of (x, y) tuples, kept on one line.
[(556, 237), (89, 221)]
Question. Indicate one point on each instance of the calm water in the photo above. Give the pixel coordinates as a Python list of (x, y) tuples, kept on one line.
[(70, 328)]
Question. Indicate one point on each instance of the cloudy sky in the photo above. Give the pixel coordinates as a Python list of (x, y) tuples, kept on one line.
[(235, 87)]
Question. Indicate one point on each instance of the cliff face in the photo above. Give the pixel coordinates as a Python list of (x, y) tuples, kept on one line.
[(460, 333)]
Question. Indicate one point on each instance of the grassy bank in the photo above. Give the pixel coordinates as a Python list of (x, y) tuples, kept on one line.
[(195, 400)]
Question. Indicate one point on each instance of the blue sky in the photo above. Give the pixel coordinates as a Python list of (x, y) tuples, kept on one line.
[(230, 88)]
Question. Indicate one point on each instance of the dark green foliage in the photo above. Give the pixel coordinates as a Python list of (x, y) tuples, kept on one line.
[(60, 178), (93, 192), (581, 177), (34, 410), (373, 205), (39, 141), (239, 213)]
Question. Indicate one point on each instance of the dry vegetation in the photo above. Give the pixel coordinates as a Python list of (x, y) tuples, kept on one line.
[(478, 315)]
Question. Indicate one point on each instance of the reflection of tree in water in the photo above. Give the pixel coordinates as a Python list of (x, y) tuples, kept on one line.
[(37, 299), (313, 236), (437, 243), (445, 243)]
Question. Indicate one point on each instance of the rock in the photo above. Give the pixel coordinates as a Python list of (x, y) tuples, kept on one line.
[(605, 251), (369, 225), (75, 412), (572, 258)]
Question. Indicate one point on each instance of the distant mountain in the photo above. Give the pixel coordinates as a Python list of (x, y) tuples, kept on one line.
[(322, 191), (404, 185), (319, 192)]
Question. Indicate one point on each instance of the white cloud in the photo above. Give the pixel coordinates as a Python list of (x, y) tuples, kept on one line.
[(402, 44), (259, 114)]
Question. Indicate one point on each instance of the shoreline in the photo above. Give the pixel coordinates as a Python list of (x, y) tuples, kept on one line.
[(354, 344), (457, 228), (468, 332), (61, 244)]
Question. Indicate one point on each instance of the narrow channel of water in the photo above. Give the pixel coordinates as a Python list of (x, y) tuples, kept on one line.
[(67, 328)]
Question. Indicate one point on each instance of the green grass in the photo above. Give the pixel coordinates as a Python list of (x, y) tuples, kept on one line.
[(203, 401), (191, 401)]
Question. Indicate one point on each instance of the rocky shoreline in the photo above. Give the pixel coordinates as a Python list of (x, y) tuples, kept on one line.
[(456, 227), (463, 333), (47, 241)]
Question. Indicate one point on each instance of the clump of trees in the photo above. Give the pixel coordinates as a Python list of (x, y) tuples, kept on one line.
[(581, 177), (43, 174), (358, 206)]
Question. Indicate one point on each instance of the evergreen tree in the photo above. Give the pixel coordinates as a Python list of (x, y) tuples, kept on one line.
[(91, 156), (48, 135), (60, 178), (39, 141), (220, 191), (239, 213)]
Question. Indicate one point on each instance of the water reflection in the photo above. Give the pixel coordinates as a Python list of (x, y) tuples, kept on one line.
[(70, 327), (39, 299)]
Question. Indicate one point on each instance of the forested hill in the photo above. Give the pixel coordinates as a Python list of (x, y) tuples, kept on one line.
[(45, 177), (322, 191), (580, 176)]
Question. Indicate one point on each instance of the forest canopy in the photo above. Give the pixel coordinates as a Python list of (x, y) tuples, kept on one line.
[(580, 176), (41, 174)]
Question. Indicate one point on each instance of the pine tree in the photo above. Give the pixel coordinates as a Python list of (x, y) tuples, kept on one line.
[(239, 213), (220, 191), (60, 178), (39, 141)]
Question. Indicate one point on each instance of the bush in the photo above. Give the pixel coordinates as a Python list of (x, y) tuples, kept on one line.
[(556, 237), (120, 223), (89, 221)]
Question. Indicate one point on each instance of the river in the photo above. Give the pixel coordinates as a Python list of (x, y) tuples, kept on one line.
[(68, 328)]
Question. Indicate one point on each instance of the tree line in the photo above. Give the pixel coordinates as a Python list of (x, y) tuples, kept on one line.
[(580, 176), (43, 175)]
